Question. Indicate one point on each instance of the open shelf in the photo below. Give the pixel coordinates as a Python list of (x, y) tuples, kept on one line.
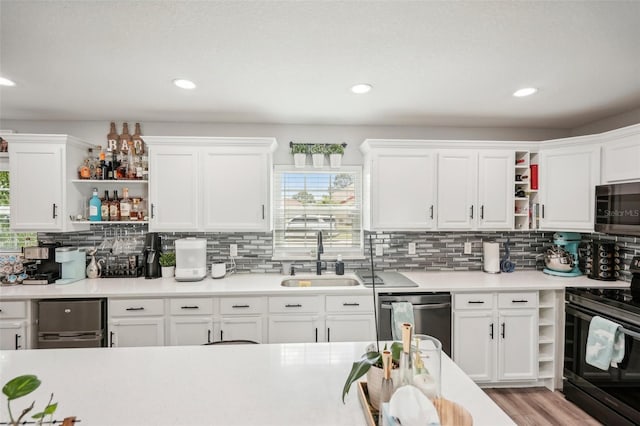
[(109, 181)]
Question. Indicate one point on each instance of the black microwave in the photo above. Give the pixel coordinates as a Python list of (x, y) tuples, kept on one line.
[(617, 209)]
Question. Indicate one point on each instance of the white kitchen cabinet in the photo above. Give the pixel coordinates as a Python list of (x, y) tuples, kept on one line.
[(621, 156), (475, 189), (14, 325), (40, 167), (236, 188), (210, 184), (496, 335), (402, 189), (568, 177), (349, 318), (243, 318), (191, 321), (174, 193), (296, 319), (136, 322)]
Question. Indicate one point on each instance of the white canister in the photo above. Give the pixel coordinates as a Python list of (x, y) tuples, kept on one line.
[(218, 270), (491, 257)]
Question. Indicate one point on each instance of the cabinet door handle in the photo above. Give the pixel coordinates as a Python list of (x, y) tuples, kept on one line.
[(140, 308), (190, 307), (328, 335), (153, 206), (543, 211), (491, 332), (18, 341), (480, 302), (111, 339), (263, 212), (297, 305), (54, 213), (350, 304), (502, 332), (520, 301), (471, 216), (316, 334), (240, 306), (482, 211), (431, 212), (221, 335), (208, 336)]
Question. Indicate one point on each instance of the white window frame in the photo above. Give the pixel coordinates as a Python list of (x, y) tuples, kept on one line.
[(291, 253)]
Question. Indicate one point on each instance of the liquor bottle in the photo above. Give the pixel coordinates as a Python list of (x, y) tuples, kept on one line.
[(95, 207), (84, 172), (112, 138), (125, 137), (114, 207), (406, 367), (125, 205), (138, 142), (144, 162), (104, 212), (101, 172), (135, 209), (131, 165)]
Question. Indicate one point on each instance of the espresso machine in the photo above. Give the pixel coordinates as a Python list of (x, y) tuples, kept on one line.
[(40, 264), (151, 253)]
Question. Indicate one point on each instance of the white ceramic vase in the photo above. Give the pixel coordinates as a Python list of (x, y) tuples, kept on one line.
[(318, 160), (335, 160), (168, 271), (299, 160)]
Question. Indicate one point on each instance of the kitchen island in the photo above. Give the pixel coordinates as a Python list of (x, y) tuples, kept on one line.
[(270, 384)]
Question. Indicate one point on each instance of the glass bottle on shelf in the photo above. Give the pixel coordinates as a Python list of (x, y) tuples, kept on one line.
[(104, 213), (131, 163), (84, 172), (125, 205), (114, 207), (138, 142), (135, 208), (101, 172), (112, 137), (95, 207), (144, 162)]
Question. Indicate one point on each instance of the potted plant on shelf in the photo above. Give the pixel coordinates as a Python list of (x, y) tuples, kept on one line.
[(335, 151), (299, 151), (371, 364), (168, 264), (317, 154)]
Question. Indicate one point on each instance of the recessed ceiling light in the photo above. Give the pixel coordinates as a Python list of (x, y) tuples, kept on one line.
[(520, 93), (184, 84), (6, 82), (361, 88)]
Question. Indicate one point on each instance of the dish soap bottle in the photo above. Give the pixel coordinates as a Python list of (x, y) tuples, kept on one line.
[(95, 210), (339, 265)]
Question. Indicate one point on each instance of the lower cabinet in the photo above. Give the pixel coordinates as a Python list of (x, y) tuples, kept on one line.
[(296, 319), (495, 336), (191, 321), (349, 318), (136, 322), (14, 325), (243, 318)]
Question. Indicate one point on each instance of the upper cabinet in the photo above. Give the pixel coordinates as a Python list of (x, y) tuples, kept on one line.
[(209, 184), (402, 190), (40, 168), (621, 155), (475, 189), (568, 176)]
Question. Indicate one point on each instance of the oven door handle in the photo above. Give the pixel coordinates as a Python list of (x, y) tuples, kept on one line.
[(420, 306), (578, 314)]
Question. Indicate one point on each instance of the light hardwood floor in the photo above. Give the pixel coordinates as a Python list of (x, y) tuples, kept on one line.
[(539, 407)]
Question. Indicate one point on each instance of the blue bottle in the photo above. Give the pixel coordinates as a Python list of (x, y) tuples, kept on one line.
[(95, 207)]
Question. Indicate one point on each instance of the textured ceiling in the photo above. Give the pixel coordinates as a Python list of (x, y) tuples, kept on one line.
[(431, 63)]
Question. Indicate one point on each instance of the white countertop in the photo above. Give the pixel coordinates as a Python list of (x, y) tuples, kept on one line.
[(269, 284), (288, 384)]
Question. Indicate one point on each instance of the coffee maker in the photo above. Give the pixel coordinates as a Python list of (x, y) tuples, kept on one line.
[(40, 264), (151, 253), (73, 262)]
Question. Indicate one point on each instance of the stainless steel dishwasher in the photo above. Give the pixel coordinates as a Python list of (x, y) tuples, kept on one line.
[(431, 312), (71, 323)]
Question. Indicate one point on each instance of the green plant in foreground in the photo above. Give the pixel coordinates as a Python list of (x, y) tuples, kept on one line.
[(369, 359), (168, 259), (21, 386)]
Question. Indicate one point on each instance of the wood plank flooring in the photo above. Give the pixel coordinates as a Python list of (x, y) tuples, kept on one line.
[(539, 407)]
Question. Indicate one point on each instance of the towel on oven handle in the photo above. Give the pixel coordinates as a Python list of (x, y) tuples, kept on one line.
[(605, 343), (401, 312)]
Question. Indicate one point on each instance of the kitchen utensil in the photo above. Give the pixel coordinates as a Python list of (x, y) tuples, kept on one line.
[(386, 389), (562, 258)]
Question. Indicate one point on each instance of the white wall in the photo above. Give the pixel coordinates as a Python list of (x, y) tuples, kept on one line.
[(96, 131)]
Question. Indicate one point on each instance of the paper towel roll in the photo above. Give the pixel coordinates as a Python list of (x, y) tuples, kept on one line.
[(491, 257)]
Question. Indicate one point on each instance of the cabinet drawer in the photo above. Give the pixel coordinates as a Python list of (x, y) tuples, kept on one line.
[(16, 309), (524, 299), (136, 307), (349, 304), (473, 301), (242, 305), (295, 304), (191, 306)]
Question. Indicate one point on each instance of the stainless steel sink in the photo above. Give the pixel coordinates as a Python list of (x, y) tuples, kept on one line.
[(319, 282)]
